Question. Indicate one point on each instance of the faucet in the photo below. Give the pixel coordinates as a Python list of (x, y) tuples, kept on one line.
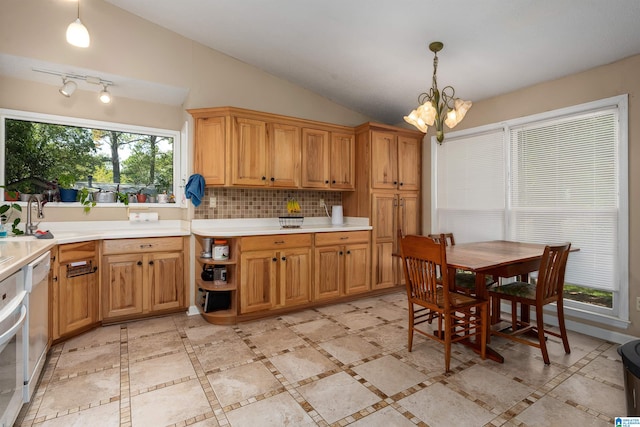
[(29, 229)]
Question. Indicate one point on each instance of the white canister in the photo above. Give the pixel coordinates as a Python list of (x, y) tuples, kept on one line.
[(336, 215), (220, 250)]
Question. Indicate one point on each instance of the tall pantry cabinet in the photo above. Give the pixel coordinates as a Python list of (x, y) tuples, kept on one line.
[(388, 178)]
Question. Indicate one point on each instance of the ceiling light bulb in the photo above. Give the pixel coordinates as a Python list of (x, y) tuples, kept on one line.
[(68, 87), (77, 33), (105, 96)]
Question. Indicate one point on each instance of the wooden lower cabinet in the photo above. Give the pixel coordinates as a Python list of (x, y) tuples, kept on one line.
[(275, 272), (342, 264), (149, 282), (75, 289)]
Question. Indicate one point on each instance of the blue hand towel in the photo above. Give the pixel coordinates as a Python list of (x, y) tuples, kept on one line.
[(195, 189)]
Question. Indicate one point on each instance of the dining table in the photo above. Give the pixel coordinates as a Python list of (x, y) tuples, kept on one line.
[(496, 258)]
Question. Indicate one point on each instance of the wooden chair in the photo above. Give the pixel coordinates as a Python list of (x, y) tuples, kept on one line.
[(460, 317), (465, 281), (548, 289)]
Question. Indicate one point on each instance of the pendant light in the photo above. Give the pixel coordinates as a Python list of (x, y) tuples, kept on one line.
[(77, 33), (436, 107)]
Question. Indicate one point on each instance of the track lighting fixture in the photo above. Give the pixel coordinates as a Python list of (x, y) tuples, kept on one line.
[(77, 33), (69, 84), (105, 96), (68, 87)]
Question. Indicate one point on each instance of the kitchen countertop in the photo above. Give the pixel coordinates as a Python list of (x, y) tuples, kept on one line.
[(267, 226), (15, 252), (23, 249)]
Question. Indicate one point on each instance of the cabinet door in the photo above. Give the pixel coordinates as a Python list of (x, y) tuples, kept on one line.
[(166, 283), (78, 300), (315, 158), (295, 276), (284, 156), (121, 285), (384, 217), (410, 223), (342, 161), (384, 160), (250, 156), (385, 230), (210, 150), (409, 161), (357, 268), (258, 280), (328, 273)]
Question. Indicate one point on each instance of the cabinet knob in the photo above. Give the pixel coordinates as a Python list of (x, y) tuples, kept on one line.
[(333, 182), (139, 263), (401, 183), (284, 258), (274, 259), (327, 181), (341, 253), (55, 278), (264, 178), (150, 262), (395, 182), (272, 179), (348, 252)]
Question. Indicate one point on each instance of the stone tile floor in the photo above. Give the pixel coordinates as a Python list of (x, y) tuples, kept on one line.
[(345, 364)]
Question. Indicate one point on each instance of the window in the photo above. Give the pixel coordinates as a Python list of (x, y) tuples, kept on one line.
[(40, 150), (550, 178)]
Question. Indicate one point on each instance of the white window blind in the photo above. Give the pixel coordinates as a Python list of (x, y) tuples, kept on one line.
[(564, 187), (470, 186)]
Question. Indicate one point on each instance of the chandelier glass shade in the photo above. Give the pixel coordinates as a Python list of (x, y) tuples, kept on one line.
[(437, 108)]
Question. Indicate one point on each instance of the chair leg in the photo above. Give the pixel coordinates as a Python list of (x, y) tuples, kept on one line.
[(447, 341), (495, 310), (563, 329), (514, 316), (411, 320), (484, 335), (541, 338)]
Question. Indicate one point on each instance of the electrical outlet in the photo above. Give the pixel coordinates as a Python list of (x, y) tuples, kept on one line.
[(638, 303), (322, 205), (213, 202)]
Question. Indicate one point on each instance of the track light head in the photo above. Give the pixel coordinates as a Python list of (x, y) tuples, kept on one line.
[(68, 87), (105, 96)]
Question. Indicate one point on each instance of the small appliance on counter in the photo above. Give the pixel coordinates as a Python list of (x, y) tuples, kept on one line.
[(207, 245), (336, 215)]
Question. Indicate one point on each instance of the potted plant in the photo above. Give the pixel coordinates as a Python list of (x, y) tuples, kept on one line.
[(25, 190), (7, 211), (142, 198), (86, 199), (67, 192)]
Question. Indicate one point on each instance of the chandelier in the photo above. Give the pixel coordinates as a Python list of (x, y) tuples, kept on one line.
[(438, 107)]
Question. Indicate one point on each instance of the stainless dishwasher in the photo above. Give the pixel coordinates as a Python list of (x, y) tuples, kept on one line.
[(36, 344)]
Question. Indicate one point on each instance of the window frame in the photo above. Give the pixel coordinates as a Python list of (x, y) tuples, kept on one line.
[(179, 147), (618, 315)]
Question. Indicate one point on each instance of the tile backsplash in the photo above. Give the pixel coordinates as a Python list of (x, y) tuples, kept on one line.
[(252, 203)]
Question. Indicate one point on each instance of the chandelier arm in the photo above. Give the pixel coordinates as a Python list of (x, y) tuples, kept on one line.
[(448, 96)]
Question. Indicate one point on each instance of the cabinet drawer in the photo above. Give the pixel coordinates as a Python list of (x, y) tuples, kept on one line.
[(341, 238), (76, 251), (123, 246), (278, 241)]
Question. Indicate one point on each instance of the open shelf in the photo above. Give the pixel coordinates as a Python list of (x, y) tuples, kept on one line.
[(211, 286), (225, 316)]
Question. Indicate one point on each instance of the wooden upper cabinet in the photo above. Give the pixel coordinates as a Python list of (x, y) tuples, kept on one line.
[(409, 161), (384, 160), (249, 152), (284, 153), (395, 163), (315, 158), (328, 159), (342, 161), (209, 155), (234, 147)]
